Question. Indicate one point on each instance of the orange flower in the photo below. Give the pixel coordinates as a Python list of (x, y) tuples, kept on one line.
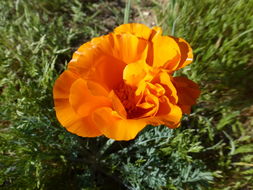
[(118, 83)]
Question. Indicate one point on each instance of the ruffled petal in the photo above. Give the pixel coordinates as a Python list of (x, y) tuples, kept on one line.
[(94, 65), (87, 51), (82, 126), (115, 127), (134, 73), (96, 89), (149, 107), (84, 60), (156, 31), (63, 83), (117, 105), (171, 92), (125, 47), (64, 112), (168, 114), (187, 92), (185, 51), (139, 30), (166, 53), (83, 101)]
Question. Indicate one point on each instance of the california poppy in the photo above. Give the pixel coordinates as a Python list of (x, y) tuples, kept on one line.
[(118, 83)]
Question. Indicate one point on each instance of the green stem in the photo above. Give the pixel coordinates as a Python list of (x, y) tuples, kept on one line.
[(127, 11)]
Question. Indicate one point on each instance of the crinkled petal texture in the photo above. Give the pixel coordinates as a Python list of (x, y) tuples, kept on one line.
[(117, 84)]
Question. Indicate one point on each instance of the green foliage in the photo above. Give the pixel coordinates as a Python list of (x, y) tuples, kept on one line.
[(163, 158), (211, 150)]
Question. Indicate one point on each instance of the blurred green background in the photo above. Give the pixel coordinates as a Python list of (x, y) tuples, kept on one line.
[(213, 149)]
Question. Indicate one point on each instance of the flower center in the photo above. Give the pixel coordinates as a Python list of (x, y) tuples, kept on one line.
[(155, 89), (126, 94), (143, 105)]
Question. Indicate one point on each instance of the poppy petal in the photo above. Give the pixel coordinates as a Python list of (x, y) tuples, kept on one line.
[(84, 127), (117, 105), (83, 101), (185, 51), (171, 119), (139, 30), (108, 72), (115, 127), (187, 91), (171, 91), (96, 66), (166, 53), (125, 47), (73, 122), (63, 83), (136, 72), (151, 104), (64, 112)]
